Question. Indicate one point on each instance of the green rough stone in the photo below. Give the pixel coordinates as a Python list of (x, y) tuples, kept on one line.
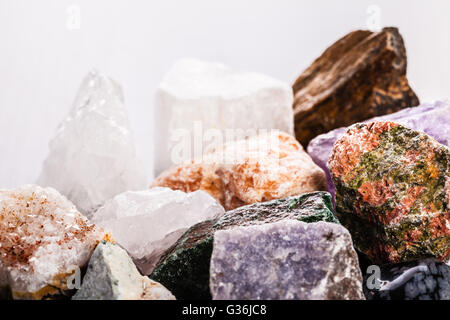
[(392, 192), (184, 268)]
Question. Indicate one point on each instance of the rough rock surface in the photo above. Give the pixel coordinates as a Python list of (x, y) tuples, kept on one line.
[(112, 275), (217, 98), (92, 158), (361, 76), (261, 168), (419, 280), (146, 223), (431, 118), (42, 237), (286, 260), (392, 192), (184, 268)]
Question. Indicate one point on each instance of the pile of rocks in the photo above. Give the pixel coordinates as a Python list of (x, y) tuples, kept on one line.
[(363, 214)]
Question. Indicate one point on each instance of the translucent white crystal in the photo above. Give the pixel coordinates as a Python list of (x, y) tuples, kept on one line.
[(146, 223), (92, 157), (218, 97), (42, 237)]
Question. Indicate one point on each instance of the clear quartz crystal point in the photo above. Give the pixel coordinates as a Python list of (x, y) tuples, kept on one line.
[(92, 158)]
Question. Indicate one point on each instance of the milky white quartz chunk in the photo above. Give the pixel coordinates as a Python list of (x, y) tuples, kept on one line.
[(92, 157), (197, 96), (43, 240), (146, 223)]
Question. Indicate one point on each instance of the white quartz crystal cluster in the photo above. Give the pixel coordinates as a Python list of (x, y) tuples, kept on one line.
[(196, 98), (92, 158), (43, 238), (146, 223)]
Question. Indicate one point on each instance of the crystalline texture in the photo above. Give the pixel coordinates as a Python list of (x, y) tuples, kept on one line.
[(146, 223), (42, 236), (283, 261), (220, 98), (92, 157)]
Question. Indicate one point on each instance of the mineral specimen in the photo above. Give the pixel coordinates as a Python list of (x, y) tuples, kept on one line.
[(361, 76), (432, 118), (212, 97), (419, 280), (184, 268), (42, 238), (286, 260), (261, 168), (146, 223), (92, 157), (111, 275), (392, 192)]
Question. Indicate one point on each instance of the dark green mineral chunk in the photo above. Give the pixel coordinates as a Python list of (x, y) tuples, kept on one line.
[(184, 268)]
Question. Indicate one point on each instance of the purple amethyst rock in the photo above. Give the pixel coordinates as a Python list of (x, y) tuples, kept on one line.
[(431, 118), (285, 260)]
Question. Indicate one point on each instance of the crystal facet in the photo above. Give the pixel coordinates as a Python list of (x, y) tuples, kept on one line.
[(92, 157), (146, 223)]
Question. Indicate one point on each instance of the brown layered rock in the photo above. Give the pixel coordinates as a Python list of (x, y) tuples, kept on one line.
[(361, 76), (261, 168)]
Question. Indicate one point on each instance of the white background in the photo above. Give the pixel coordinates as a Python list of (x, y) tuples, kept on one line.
[(42, 61)]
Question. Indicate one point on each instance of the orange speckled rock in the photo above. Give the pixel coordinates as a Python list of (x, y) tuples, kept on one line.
[(43, 238), (261, 168), (392, 191)]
